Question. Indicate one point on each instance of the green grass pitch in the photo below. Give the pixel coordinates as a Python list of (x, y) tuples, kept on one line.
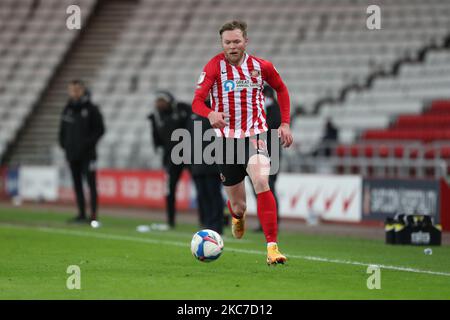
[(116, 262)]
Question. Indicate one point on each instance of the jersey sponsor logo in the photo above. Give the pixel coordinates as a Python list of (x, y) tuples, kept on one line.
[(201, 78), (231, 85)]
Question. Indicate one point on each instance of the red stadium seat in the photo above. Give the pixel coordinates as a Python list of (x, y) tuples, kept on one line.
[(383, 151), (423, 122), (354, 150), (340, 150), (440, 107), (413, 153), (445, 152), (430, 153), (399, 151), (368, 151)]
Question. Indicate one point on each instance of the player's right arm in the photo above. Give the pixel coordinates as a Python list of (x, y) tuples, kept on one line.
[(204, 85)]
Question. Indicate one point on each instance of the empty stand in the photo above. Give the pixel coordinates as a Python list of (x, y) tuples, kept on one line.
[(37, 142), (320, 48), (32, 45)]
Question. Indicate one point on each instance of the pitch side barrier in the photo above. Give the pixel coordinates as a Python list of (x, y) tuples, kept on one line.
[(311, 197), (138, 188), (315, 197), (386, 198), (352, 198)]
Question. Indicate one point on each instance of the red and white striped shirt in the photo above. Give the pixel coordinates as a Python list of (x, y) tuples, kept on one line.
[(237, 91)]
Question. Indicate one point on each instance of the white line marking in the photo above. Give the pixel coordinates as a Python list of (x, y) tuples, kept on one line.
[(109, 236)]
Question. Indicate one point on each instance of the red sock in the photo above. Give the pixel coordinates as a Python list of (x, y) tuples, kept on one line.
[(267, 214), (231, 211)]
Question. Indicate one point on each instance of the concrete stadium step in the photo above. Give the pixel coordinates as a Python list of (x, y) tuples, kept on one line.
[(88, 53), (39, 132)]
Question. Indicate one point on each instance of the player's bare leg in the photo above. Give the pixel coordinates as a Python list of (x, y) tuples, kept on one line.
[(258, 169), (237, 206)]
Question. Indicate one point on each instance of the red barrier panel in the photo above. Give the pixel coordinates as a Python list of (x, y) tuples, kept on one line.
[(140, 188), (137, 188)]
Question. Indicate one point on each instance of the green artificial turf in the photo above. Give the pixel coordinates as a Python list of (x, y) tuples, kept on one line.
[(117, 262)]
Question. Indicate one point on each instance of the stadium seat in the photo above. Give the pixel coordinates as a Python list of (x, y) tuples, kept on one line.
[(30, 55)]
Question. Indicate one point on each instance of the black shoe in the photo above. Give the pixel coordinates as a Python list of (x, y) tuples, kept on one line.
[(78, 219)]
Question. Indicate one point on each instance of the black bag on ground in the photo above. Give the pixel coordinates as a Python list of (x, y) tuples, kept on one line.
[(413, 229)]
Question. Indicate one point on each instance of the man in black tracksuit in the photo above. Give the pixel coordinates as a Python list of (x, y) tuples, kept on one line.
[(207, 181), (169, 116), (80, 130)]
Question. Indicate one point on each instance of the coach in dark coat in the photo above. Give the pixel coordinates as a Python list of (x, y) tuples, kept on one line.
[(81, 128)]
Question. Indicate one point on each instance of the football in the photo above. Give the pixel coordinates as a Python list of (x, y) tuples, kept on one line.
[(206, 245)]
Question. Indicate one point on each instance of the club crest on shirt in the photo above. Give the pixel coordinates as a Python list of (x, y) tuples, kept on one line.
[(255, 73)]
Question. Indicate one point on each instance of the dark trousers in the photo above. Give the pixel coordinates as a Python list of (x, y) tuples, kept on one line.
[(174, 174), (210, 201), (79, 170)]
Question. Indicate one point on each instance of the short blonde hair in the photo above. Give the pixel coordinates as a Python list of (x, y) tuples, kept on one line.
[(233, 25)]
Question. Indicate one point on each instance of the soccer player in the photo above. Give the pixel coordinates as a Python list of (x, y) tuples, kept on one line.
[(234, 80)]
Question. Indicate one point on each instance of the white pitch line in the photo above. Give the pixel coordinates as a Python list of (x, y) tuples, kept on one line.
[(109, 236)]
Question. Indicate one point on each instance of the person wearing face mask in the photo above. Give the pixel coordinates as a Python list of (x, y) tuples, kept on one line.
[(80, 130)]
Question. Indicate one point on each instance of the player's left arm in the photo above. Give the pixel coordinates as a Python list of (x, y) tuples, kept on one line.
[(273, 78)]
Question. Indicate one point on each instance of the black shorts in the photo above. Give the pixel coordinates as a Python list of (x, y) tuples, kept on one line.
[(236, 155)]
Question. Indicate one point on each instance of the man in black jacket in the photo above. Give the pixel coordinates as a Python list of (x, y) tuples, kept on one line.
[(169, 116), (207, 180), (80, 130)]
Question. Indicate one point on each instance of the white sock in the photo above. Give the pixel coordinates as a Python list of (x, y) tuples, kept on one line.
[(271, 244)]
